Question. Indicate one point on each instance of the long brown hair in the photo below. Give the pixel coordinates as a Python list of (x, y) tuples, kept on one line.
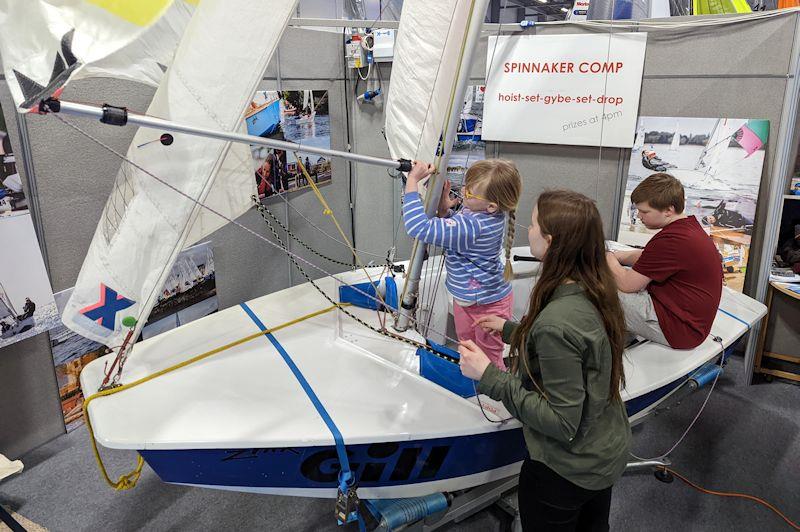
[(503, 187), (577, 253)]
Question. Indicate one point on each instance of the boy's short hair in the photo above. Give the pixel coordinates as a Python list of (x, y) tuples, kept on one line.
[(661, 191)]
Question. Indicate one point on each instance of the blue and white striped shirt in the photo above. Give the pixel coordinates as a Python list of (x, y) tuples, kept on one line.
[(472, 241)]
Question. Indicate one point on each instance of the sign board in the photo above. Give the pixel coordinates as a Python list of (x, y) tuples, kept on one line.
[(564, 89), (579, 11)]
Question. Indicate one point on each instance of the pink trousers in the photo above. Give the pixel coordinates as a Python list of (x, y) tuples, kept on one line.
[(491, 343)]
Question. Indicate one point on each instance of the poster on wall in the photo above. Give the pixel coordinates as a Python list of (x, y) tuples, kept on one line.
[(27, 307), (71, 353), (189, 294), (564, 89), (469, 145), (719, 162), (294, 116), (12, 197)]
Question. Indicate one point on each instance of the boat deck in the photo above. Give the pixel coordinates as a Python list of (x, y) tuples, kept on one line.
[(249, 397)]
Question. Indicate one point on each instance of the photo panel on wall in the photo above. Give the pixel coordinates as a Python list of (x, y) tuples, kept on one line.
[(294, 116), (719, 161)]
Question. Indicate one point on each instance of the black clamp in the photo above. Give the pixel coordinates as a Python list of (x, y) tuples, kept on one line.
[(405, 165), (115, 116), (49, 105)]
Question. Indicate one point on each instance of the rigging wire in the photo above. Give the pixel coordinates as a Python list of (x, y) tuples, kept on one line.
[(233, 222)]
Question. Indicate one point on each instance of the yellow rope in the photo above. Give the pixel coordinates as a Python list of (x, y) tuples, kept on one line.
[(128, 481), (326, 210)]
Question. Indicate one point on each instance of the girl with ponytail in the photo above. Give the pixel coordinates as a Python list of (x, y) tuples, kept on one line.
[(476, 277)]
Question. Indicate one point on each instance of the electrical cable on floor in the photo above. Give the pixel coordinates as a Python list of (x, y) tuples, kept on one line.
[(732, 494), (696, 417)]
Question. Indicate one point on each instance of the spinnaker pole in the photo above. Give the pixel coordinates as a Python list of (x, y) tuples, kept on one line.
[(120, 116)]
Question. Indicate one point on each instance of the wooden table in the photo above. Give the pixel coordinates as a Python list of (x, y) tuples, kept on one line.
[(760, 353)]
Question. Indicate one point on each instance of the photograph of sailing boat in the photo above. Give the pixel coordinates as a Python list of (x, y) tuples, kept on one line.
[(27, 307), (468, 146), (12, 197), (294, 116), (719, 161), (189, 293), (71, 352)]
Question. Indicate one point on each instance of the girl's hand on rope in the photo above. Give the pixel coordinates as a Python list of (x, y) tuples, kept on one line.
[(490, 324), (418, 172), (473, 360)]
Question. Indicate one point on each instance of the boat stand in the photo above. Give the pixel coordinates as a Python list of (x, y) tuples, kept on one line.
[(502, 494), (462, 505)]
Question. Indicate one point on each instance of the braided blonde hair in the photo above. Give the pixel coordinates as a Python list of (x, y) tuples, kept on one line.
[(503, 186)]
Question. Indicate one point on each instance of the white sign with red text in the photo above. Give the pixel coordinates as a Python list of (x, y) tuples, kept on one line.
[(564, 89), (579, 11)]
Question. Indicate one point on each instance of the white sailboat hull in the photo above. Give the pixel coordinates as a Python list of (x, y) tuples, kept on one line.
[(245, 419)]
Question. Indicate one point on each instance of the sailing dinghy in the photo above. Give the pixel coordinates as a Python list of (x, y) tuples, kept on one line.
[(257, 417), (291, 392)]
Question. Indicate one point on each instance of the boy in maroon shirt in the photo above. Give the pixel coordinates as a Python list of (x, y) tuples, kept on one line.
[(671, 294)]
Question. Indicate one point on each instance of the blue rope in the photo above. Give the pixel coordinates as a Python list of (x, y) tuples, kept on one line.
[(346, 477), (737, 318)]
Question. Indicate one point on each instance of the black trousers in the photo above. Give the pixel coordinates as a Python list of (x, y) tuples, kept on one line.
[(549, 502)]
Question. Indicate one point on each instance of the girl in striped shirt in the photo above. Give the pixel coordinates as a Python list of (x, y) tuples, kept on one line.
[(472, 239)]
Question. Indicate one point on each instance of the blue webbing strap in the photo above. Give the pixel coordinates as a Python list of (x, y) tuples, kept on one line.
[(737, 318), (346, 477)]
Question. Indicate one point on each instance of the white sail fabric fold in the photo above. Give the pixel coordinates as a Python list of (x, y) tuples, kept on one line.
[(217, 67), (424, 70), (46, 43)]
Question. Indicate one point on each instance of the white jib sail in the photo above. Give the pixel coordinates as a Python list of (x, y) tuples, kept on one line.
[(45, 43), (424, 70), (217, 67)]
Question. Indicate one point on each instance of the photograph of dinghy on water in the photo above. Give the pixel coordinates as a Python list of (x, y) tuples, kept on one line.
[(189, 293), (294, 116), (719, 161)]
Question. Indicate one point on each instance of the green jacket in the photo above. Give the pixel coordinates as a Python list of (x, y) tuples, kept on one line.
[(577, 431)]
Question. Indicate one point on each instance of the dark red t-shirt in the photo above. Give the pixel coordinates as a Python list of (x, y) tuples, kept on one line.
[(686, 287)]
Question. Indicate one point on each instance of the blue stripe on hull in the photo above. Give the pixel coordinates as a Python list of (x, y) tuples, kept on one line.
[(375, 465)]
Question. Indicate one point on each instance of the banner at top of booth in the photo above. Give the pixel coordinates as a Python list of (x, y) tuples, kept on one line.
[(564, 89)]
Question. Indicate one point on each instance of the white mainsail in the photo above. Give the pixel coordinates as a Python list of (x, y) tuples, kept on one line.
[(46, 43), (424, 70), (638, 143), (145, 223), (676, 139), (6, 308), (715, 148)]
